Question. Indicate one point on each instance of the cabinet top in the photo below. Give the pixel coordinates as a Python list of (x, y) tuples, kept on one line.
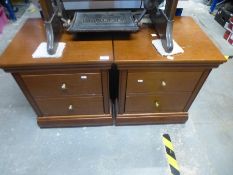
[(138, 48), (83, 51)]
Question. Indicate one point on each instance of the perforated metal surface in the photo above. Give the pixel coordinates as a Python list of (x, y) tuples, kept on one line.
[(103, 21)]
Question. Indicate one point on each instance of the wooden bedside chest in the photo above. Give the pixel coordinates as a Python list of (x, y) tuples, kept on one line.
[(154, 89), (69, 91), (74, 90)]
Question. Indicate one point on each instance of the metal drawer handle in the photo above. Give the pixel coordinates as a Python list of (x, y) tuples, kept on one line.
[(70, 107), (156, 103), (163, 83), (140, 81), (63, 86), (83, 77)]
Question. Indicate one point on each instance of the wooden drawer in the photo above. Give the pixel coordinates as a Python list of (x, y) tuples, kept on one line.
[(71, 106), (153, 82), (169, 102), (55, 85)]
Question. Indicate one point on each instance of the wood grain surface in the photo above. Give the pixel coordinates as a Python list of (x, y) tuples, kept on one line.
[(154, 82), (80, 50), (80, 106), (136, 59), (53, 85), (138, 48)]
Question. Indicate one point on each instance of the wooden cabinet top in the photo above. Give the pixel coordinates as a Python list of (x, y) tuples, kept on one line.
[(138, 48), (86, 49), (82, 51)]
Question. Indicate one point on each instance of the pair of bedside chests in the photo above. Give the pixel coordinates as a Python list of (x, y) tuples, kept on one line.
[(135, 85)]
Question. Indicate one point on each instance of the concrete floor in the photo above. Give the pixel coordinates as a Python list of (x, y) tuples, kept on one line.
[(203, 146)]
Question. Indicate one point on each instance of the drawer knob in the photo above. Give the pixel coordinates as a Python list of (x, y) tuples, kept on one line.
[(83, 77), (70, 107), (140, 81), (156, 103), (163, 83), (63, 86)]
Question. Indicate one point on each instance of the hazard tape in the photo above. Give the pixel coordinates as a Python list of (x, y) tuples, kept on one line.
[(228, 57), (170, 154)]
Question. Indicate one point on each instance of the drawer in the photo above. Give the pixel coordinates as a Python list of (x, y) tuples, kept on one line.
[(169, 102), (152, 82), (71, 106), (55, 85)]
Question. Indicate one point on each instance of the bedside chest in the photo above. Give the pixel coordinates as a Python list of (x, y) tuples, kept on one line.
[(155, 89), (69, 91), (74, 90)]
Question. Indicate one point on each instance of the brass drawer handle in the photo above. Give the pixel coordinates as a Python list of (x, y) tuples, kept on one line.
[(63, 86), (83, 77), (156, 103), (70, 107), (140, 81), (163, 83)]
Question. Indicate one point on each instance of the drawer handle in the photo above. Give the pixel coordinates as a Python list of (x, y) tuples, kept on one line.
[(163, 83), (156, 103), (140, 81), (63, 86), (83, 77), (70, 107)]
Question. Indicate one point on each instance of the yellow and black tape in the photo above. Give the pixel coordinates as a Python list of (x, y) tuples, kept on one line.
[(228, 57), (170, 154)]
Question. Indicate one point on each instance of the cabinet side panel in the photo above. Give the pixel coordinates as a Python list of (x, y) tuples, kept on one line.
[(122, 91), (197, 88), (105, 89), (26, 92)]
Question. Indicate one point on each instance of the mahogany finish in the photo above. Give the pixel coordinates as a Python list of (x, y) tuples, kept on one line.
[(63, 84), (154, 89), (71, 106), (79, 53), (167, 102), (69, 91), (152, 82), (74, 90), (136, 49), (76, 120), (152, 118)]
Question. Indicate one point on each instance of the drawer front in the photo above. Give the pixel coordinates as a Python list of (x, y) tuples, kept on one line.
[(54, 85), (156, 103), (71, 106), (153, 82)]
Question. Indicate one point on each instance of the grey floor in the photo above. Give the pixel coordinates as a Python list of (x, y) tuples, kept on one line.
[(203, 146)]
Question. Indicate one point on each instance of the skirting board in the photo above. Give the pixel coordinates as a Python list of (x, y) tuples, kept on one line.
[(151, 118), (74, 120)]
